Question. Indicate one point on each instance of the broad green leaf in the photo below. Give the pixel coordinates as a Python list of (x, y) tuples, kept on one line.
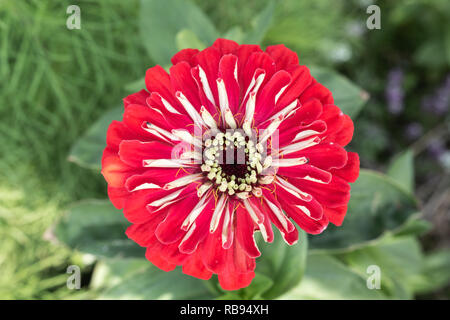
[(402, 170), (260, 25), (260, 284), (282, 263), (235, 34), (161, 21), (110, 272), (87, 151), (347, 96), (96, 227), (435, 274), (230, 295), (327, 278), (136, 85), (378, 205), (414, 226), (188, 39), (152, 283), (399, 259)]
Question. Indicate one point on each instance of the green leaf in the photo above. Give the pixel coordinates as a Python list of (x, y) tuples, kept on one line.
[(400, 260), (236, 34), (136, 85), (87, 151), (347, 96), (230, 295), (327, 278), (96, 227), (161, 21), (260, 24), (415, 226), (432, 54), (256, 289), (188, 39), (447, 46), (435, 274), (282, 263), (378, 206), (402, 170), (152, 283), (110, 272)]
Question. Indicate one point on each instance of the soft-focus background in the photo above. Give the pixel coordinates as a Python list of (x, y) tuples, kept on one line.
[(55, 83)]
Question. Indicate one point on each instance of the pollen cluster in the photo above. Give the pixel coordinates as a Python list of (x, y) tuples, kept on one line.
[(233, 163)]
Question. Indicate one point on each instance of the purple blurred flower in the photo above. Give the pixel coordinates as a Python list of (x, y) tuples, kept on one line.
[(436, 148), (414, 130), (438, 102), (394, 91)]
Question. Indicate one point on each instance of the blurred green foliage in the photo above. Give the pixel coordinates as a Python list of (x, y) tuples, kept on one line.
[(55, 83)]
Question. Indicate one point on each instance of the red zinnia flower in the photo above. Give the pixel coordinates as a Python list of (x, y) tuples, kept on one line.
[(232, 140)]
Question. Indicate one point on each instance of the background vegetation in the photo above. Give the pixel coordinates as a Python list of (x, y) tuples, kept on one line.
[(56, 83)]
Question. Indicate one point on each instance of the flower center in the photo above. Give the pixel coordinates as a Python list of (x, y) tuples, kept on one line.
[(232, 162)]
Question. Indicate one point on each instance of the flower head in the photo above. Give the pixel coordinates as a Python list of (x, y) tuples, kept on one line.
[(232, 140)]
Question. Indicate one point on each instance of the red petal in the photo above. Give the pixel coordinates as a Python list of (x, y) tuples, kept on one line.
[(309, 111), (325, 155), (171, 254), (244, 52), (305, 171), (257, 60), (169, 231), (134, 152), (114, 170), (245, 229), (158, 80), (208, 60), (238, 261), (227, 67), (117, 131), (225, 46), (212, 252), (173, 119), (153, 255), (334, 194), (289, 129), (190, 242), (185, 55), (283, 56), (350, 171), (205, 101), (144, 234), (117, 196), (235, 281), (317, 91), (182, 80), (136, 98), (195, 267), (267, 95), (301, 79), (135, 116), (135, 207), (334, 119), (305, 222), (157, 176), (313, 210), (335, 215), (344, 136)]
